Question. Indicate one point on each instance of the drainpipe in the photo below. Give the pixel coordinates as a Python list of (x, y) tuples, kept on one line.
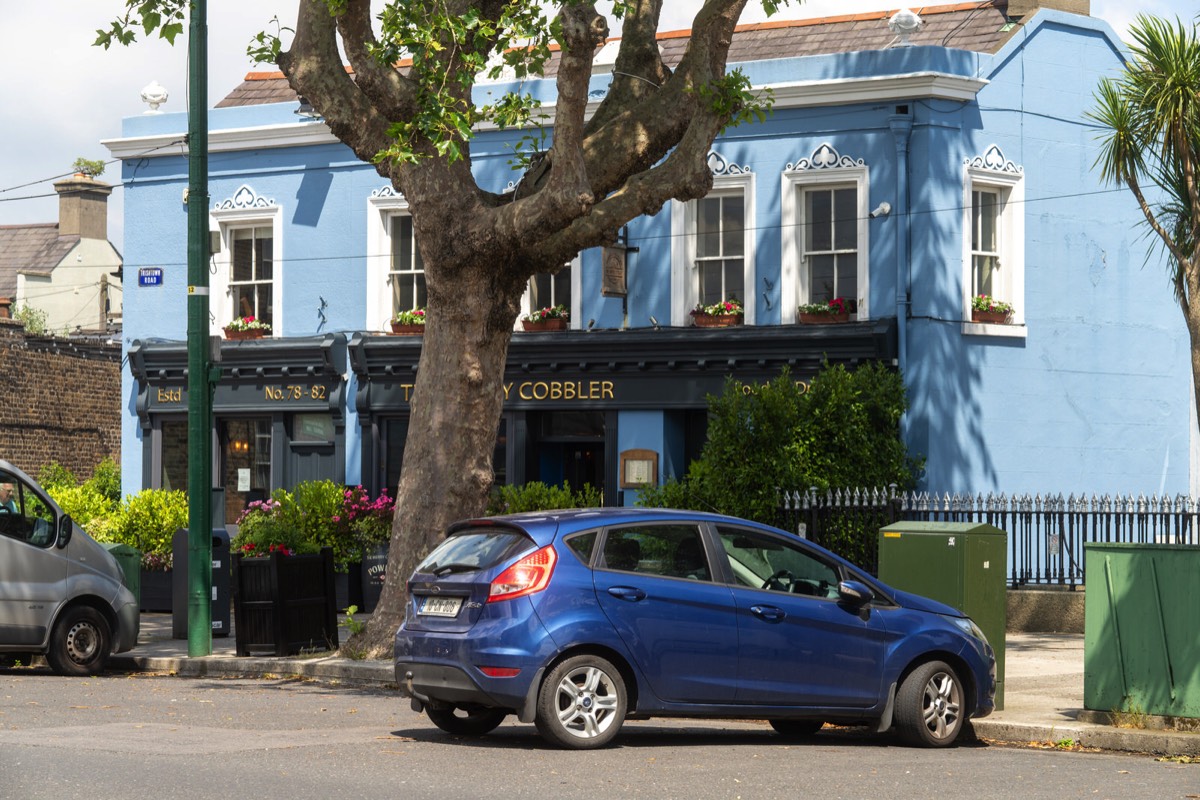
[(900, 124)]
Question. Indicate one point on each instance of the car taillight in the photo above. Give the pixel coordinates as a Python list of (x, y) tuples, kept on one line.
[(529, 575)]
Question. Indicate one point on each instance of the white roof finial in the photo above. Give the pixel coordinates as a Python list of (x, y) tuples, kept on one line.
[(154, 95), (905, 23)]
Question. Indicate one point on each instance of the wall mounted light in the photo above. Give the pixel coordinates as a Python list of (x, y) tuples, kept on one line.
[(881, 210), (654, 322)]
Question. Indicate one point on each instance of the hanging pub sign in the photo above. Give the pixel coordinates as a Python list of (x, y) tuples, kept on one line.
[(612, 271)]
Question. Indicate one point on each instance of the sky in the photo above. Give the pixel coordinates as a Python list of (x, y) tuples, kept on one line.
[(60, 96)]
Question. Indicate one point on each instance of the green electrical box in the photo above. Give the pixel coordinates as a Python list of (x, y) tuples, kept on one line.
[(961, 564), (1140, 647)]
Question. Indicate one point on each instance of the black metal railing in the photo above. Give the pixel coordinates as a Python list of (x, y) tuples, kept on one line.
[(1045, 534)]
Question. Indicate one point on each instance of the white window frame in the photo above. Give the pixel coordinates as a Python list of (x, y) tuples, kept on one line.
[(809, 174), (382, 205), (684, 273), (245, 209), (576, 292), (993, 172)]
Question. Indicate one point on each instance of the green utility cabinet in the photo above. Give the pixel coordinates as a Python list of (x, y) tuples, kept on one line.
[(1140, 647), (962, 564)]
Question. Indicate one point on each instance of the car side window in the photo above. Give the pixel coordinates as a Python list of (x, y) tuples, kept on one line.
[(23, 515), (581, 544), (762, 561), (671, 551)]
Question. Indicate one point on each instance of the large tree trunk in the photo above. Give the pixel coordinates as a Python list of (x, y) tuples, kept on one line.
[(455, 414)]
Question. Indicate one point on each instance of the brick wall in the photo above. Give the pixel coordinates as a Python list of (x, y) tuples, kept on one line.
[(60, 400)]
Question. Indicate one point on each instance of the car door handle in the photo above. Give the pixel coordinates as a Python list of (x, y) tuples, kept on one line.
[(627, 593), (768, 613)]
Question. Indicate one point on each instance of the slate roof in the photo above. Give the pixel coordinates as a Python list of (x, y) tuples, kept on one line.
[(973, 26), (35, 249)]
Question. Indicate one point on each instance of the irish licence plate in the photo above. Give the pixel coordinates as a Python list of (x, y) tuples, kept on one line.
[(441, 606)]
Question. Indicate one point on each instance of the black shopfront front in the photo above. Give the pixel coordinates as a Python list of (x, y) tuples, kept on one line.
[(278, 415), (576, 401)]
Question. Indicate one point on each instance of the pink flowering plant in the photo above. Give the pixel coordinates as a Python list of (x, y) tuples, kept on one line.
[(550, 312), (724, 308), (272, 525), (983, 302), (368, 522), (838, 305), (412, 316), (248, 324)]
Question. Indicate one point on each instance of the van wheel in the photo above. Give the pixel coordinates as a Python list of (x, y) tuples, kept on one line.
[(466, 721), (80, 642), (929, 706), (581, 704)]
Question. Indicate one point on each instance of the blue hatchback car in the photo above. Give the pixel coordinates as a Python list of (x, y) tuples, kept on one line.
[(578, 620)]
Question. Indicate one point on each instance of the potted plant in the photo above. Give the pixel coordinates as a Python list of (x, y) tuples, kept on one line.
[(838, 309), (987, 309), (247, 328), (409, 323), (552, 318), (718, 315), (369, 526), (284, 599)]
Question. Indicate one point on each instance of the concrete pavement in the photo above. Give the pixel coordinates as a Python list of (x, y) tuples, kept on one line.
[(1043, 686)]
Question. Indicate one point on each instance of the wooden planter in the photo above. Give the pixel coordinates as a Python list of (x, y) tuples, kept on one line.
[(250, 333), (410, 329), (990, 317), (717, 320), (284, 605), (553, 324), (823, 319)]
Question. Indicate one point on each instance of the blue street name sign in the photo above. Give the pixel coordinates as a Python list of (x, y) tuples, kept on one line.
[(150, 276)]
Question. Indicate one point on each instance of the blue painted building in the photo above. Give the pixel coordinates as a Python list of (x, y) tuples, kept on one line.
[(907, 176)]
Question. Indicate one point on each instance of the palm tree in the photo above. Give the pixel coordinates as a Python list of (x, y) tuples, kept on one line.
[(1150, 120)]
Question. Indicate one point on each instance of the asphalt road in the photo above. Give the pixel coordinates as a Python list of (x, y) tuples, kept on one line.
[(146, 736)]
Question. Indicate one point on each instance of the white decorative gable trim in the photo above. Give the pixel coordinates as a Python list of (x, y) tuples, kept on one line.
[(244, 198), (825, 157), (386, 191), (723, 166), (993, 160)]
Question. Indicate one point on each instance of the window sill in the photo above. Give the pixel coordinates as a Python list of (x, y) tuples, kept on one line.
[(1009, 330)]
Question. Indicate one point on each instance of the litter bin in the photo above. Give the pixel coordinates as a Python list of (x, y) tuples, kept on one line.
[(961, 564), (1140, 647), (221, 582), (130, 561)]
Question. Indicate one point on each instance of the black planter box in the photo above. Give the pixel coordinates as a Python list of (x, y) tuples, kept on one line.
[(284, 605), (156, 591)]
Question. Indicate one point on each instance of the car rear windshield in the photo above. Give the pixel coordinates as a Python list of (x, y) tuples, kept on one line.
[(475, 550)]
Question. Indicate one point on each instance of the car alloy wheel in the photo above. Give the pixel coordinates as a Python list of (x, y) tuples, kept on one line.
[(929, 706), (581, 704)]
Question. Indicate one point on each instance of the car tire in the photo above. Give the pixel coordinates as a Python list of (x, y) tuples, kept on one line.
[(80, 642), (929, 706), (797, 728), (582, 703), (466, 721)]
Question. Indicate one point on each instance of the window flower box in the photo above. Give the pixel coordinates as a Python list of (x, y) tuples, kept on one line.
[(835, 311), (409, 323), (724, 314), (552, 318), (990, 311), (247, 328)]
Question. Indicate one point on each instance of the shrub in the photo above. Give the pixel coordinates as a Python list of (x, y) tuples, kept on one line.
[(148, 521), (274, 524), (106, 479), (841, 430), (91, 510), (537, 496), (53, 475)]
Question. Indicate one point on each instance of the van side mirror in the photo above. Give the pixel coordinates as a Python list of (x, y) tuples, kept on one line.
[(65, 526)]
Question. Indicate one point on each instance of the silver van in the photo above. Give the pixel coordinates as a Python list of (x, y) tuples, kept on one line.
[(62, 595)]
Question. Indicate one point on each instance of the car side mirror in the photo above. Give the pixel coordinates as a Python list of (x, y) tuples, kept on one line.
[(855, 593), (65, 526)]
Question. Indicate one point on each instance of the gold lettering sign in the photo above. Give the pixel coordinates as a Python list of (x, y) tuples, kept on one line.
[(169, 396), (294, 392), (560, 390)]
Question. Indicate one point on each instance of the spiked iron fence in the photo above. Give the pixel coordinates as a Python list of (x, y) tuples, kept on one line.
[(1045, 534)]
